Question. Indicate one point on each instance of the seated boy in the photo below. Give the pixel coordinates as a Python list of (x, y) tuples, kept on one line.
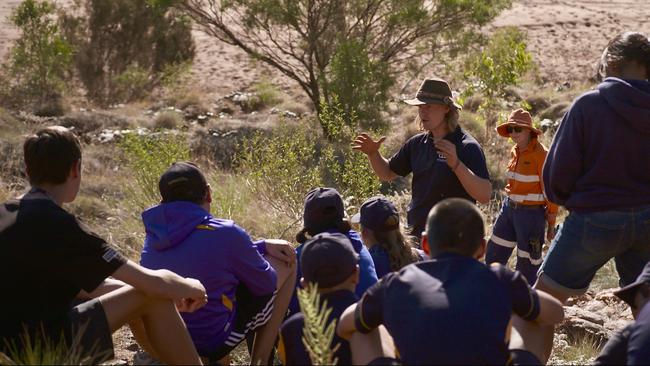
[(329, 261), (49, 258), (452, 309), (631, 346), (248, 284)]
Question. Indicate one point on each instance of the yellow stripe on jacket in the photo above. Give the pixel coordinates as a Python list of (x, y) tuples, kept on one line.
[(525, 184)]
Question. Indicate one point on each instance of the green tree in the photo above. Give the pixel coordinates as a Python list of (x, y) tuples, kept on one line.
[(301, 38), (126, 47), (500, 64), (39, 61)]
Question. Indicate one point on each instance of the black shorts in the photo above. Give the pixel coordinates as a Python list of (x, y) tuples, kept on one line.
[(251, 312), (88, 333)]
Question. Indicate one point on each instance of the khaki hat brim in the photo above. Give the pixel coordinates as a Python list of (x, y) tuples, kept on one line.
[(423, 101), (502, 129)]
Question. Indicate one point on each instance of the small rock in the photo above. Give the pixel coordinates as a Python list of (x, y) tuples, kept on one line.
[(290, 114)]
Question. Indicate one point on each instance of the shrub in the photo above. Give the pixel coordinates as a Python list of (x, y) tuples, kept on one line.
[(360, 85), (132, 84), (283, 167), (500, 64), (267, 93), (344, 168), (167, 120), (148, 157), (127, 43), (39, 61)]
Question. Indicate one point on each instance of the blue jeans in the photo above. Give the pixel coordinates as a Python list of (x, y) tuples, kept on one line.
[(586, 241), (521, 227)]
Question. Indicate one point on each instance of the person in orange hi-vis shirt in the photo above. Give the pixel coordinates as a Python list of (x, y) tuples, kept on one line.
[(525, 210)]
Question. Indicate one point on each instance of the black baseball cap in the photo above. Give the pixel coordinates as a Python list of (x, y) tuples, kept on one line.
[(328, 259), (183, 181), (323, 208), (377, 214), (628, 292)]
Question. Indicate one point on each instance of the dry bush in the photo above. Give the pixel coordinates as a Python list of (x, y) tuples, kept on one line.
[(537, 104), (472, 103), (555, 111), (94, 121), (167, 120)]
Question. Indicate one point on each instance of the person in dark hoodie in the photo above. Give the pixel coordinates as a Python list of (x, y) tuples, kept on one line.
[(248, 283), (598, 167)]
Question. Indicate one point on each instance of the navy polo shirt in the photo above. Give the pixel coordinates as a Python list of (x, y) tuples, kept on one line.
[(452, 309), (292, 351), (630, 346), (433, 179)]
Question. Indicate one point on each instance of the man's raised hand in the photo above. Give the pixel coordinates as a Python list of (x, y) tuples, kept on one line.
[(366, 144)]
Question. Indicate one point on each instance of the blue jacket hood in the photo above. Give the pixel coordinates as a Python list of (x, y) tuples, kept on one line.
[(168, 224), (630, 99)]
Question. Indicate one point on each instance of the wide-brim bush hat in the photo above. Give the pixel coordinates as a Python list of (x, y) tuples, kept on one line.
[(434, 91), (518, 118)]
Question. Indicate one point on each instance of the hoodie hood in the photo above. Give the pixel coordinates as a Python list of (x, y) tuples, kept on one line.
[(168, 224), (630, 99)]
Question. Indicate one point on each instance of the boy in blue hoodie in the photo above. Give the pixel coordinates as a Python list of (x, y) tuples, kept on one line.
[(248, 283), (598, 168)]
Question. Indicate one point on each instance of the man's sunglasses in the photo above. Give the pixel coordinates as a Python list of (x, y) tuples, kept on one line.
[(512, 129)]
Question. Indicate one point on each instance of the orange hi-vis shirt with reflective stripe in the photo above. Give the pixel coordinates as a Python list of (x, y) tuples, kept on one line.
[(524, 175)]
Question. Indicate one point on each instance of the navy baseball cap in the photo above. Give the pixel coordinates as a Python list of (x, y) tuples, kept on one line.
[(328, 259), (628, 292), (323, 208), (377, 214), (183, 181)]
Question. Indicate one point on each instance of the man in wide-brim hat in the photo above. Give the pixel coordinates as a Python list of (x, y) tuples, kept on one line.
[(445, 160)]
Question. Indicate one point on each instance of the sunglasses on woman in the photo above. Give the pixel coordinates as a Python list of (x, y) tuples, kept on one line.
[(512, 129)]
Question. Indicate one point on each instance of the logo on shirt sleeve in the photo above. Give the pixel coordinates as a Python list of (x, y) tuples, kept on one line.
[(109, 255)]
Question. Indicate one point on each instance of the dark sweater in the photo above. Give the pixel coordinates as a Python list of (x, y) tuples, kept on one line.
[(600, 156)]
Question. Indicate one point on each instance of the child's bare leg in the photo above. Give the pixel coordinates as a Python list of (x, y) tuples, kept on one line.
[(367, 347), (164, 326), (544, 333), (527, 336), (265, 335), (140, 334)]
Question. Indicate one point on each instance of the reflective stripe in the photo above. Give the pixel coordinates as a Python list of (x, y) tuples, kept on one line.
[(522, 178), (504, 243), (524, 254), (534, 197)]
